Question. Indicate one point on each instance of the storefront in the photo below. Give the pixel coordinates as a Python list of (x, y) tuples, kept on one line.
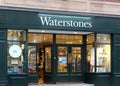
[(59, 47)]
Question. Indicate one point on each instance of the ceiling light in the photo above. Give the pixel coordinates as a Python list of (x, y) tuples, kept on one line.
[(75, 32), (58, 31), (43, 31)]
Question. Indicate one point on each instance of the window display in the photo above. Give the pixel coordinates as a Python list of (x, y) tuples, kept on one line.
[(101, 53), (15, 63), (103, 58), (16, 51)]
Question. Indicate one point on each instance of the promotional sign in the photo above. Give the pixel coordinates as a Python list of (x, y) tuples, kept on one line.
[(15, 51)]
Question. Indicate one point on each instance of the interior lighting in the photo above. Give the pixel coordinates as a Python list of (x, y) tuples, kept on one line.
[(75, 32), (34, 41), (43, 31)]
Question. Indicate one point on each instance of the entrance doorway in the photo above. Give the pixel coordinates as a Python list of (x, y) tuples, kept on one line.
[(39, 62), (37, 53), (62, 56), (69, 62)]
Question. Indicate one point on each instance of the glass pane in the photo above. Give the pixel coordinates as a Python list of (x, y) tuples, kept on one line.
[(62, 59), (90, 58), (16, 57), (90, 39), (16, 35), (76, 59), (32, 58), (40, 38), (68, 39), (48, 59), (103, 61), (103, 38)]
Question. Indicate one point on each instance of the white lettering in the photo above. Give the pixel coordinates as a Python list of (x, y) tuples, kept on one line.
[(59, 23), (45, 20), (48, 21)]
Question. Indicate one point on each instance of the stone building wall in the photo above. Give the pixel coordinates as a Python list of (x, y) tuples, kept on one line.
[(89, 6)]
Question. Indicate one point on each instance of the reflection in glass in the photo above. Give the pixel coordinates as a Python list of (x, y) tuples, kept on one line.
[(32, 58), (62, 59), (76, 59), (48, 59)]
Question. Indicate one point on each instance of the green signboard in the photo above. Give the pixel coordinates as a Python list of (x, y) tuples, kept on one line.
[(62, 21), (59, 21)]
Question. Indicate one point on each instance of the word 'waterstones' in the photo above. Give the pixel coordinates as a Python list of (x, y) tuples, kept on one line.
[(48, 21)]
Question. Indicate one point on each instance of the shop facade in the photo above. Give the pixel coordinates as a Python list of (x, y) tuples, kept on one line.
[(70, 47)]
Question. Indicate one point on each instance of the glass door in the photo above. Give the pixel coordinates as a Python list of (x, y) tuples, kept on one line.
[(62, 59), (32, 59), (76, 59), (32, 63), (69, 62), (47, 59)]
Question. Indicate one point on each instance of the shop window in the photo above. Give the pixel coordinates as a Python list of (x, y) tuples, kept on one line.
[(101, 52), (68, 39), (16, 57), (103, 58)]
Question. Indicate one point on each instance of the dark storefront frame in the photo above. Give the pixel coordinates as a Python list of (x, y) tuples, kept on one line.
[(13, 19)]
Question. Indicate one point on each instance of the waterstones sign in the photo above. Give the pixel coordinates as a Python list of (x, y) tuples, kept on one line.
[(61, 21)]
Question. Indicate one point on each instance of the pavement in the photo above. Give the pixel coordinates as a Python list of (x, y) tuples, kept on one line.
[(62, 84)]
